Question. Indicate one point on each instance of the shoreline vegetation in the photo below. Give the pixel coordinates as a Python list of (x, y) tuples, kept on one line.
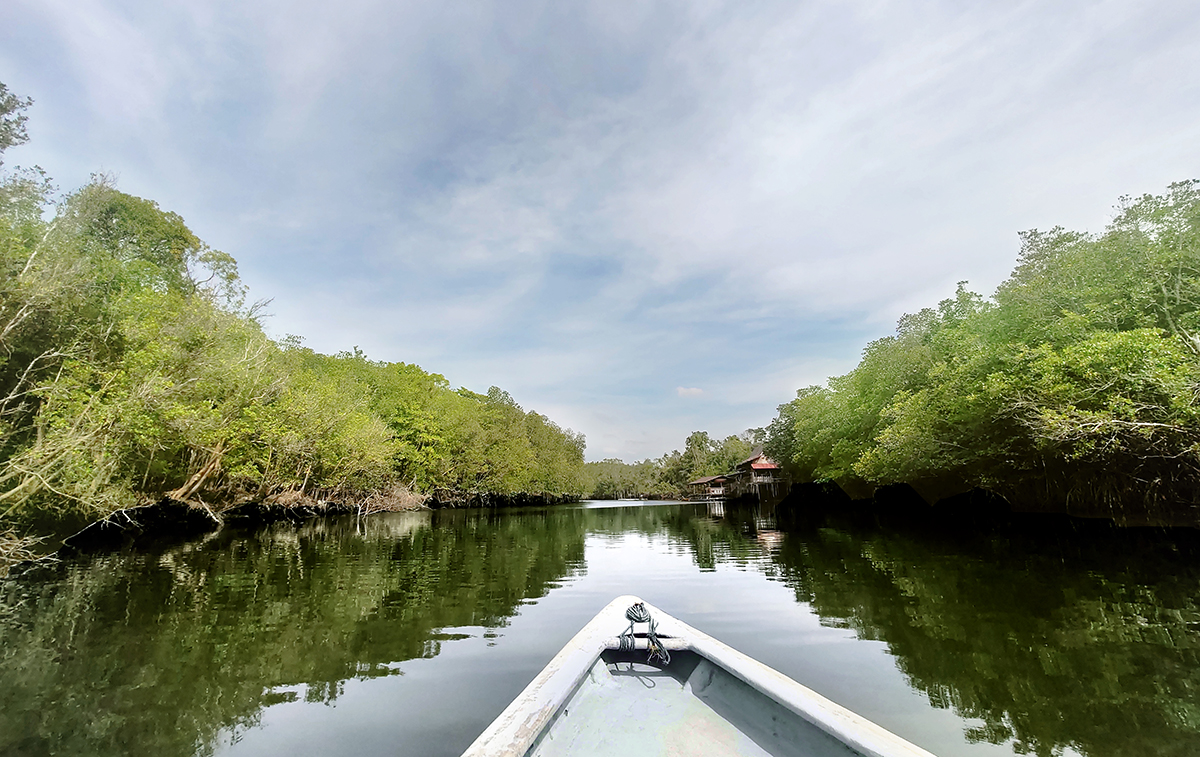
[(667, 477), (1074, 389), (134, 371)]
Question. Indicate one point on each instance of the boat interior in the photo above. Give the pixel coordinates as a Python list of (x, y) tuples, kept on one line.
[(691, 706)]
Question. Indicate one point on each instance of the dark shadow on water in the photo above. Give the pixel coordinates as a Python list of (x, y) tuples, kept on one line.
[(154, 652), (1055, 632), (1076, 635)]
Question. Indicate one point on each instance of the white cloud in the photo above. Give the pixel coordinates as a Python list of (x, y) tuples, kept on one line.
[(585, 205), (127, 74)]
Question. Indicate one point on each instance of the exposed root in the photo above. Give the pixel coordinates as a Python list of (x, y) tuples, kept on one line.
[(15, 548), (392, 499), (395, 498)]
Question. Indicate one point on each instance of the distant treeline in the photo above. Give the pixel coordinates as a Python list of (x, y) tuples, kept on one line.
[(1076, 384), (667, 477), (131, 366)]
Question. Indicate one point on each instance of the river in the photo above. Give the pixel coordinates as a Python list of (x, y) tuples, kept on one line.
[(406, 633)]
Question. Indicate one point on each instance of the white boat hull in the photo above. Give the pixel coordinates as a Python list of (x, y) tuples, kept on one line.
[(596, 699)]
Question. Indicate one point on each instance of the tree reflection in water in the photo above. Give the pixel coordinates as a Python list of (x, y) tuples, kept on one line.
[(1055, 634), (1079, 637), (154, 652)]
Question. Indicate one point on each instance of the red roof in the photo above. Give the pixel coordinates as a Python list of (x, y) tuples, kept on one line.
[(758, 461)]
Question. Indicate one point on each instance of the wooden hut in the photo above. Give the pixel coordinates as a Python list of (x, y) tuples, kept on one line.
[(757, 474), (708, 488)]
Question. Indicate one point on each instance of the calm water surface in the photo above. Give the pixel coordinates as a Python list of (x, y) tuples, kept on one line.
[(406, 634)]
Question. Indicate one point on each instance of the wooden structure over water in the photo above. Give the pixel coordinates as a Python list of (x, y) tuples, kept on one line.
[(757, 475), (708, 488)]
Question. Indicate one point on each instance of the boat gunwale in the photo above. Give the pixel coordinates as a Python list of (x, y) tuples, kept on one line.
[(516, 730)]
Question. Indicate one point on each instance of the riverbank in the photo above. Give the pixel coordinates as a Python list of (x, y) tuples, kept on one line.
[(170, 388), (807, 504), (170, 519), (448, 498), (1055, 393)]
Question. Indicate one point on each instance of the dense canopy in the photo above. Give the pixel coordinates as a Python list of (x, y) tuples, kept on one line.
[(1077, 382), (668, 476), (131, 366)]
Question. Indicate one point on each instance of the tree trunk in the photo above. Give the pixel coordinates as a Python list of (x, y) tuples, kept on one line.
[(197, 480)]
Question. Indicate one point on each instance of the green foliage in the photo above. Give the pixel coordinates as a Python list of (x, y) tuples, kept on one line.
[(130, 367), (615, 479), (12, 120), (160, 651), (1078, 380), (669, 475)]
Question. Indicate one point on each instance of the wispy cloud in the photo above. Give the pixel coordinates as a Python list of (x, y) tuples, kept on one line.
[(587, 204)]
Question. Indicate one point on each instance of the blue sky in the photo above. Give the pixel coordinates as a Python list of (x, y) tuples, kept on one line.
[(641, 219)]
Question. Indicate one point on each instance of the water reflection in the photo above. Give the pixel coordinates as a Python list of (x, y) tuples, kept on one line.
[(156, 651), (1081, 636), (1065, 640)]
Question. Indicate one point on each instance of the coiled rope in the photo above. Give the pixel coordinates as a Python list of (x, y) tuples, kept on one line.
[(637, 613)]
